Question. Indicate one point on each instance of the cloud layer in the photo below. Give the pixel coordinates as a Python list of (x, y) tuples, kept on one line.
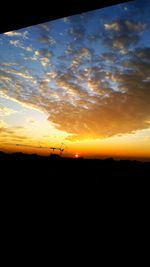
[(89, 87)]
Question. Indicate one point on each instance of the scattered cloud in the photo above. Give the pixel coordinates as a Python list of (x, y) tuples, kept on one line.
[(123, 42), (16, 43), (19, 44), (44, 53), (84, 53), (9, 64), (77, 31), (70, 87), (143, 53), (52, 75), (23, 74), (70, 50), (125, 25), (115, 26), (17, 34), (29, 49), (46, 39), (89, 93), (76, 62), (123, 34), (45, 61), (45, 27), (135, 27), (109, 57)]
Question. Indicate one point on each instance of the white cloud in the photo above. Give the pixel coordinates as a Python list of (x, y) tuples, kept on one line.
[(125, 26), (19, 44), (52, 74), (45, 27), (22, 74), (113, 26), (45, 61), (29, 49), (16, 43), (37, 53), (9, 64), (17, 33)]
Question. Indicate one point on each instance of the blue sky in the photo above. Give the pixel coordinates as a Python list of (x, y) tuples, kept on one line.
[(87, 75)]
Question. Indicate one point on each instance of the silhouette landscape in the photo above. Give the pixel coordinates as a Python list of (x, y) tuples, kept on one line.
[(77, 171)]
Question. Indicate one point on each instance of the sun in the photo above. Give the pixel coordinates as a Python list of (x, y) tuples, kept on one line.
[(76, 156)]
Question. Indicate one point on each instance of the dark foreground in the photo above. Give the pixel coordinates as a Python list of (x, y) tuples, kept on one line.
[(69, 171), (51, 185)]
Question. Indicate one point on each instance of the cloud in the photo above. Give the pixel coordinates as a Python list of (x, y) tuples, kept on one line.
[(103, 114), (122, 42), (9, 64), (77, 29), (70, 87), (46, 39), (70, 50), (17, 34), (44, 53), (95, 100), (4, 77), (115, 26), (143, 53), (98, 88), (109, 57), (45, 27), (45, 61), (16, 43), (84, 53), (23, 74), (10, 133), (78, 57), (19, 44), (52, 74), (2, 124), (76, 62), (4, 111), (123, 34), (125, 26), (141, 67), (135, 27), (106, 113), (29, 49)]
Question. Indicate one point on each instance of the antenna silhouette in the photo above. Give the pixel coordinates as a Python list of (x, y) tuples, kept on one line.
[(61, 149)]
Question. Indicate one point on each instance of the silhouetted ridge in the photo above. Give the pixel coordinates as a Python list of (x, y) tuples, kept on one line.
[(71, 170)]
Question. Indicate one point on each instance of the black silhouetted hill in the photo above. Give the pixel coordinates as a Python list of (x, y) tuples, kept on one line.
[(70, 170), (32, 182)]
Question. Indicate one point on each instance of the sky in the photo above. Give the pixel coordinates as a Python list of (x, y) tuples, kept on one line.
[(82, 81)]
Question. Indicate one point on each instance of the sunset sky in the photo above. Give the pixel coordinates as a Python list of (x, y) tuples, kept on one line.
[(83, 81)]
